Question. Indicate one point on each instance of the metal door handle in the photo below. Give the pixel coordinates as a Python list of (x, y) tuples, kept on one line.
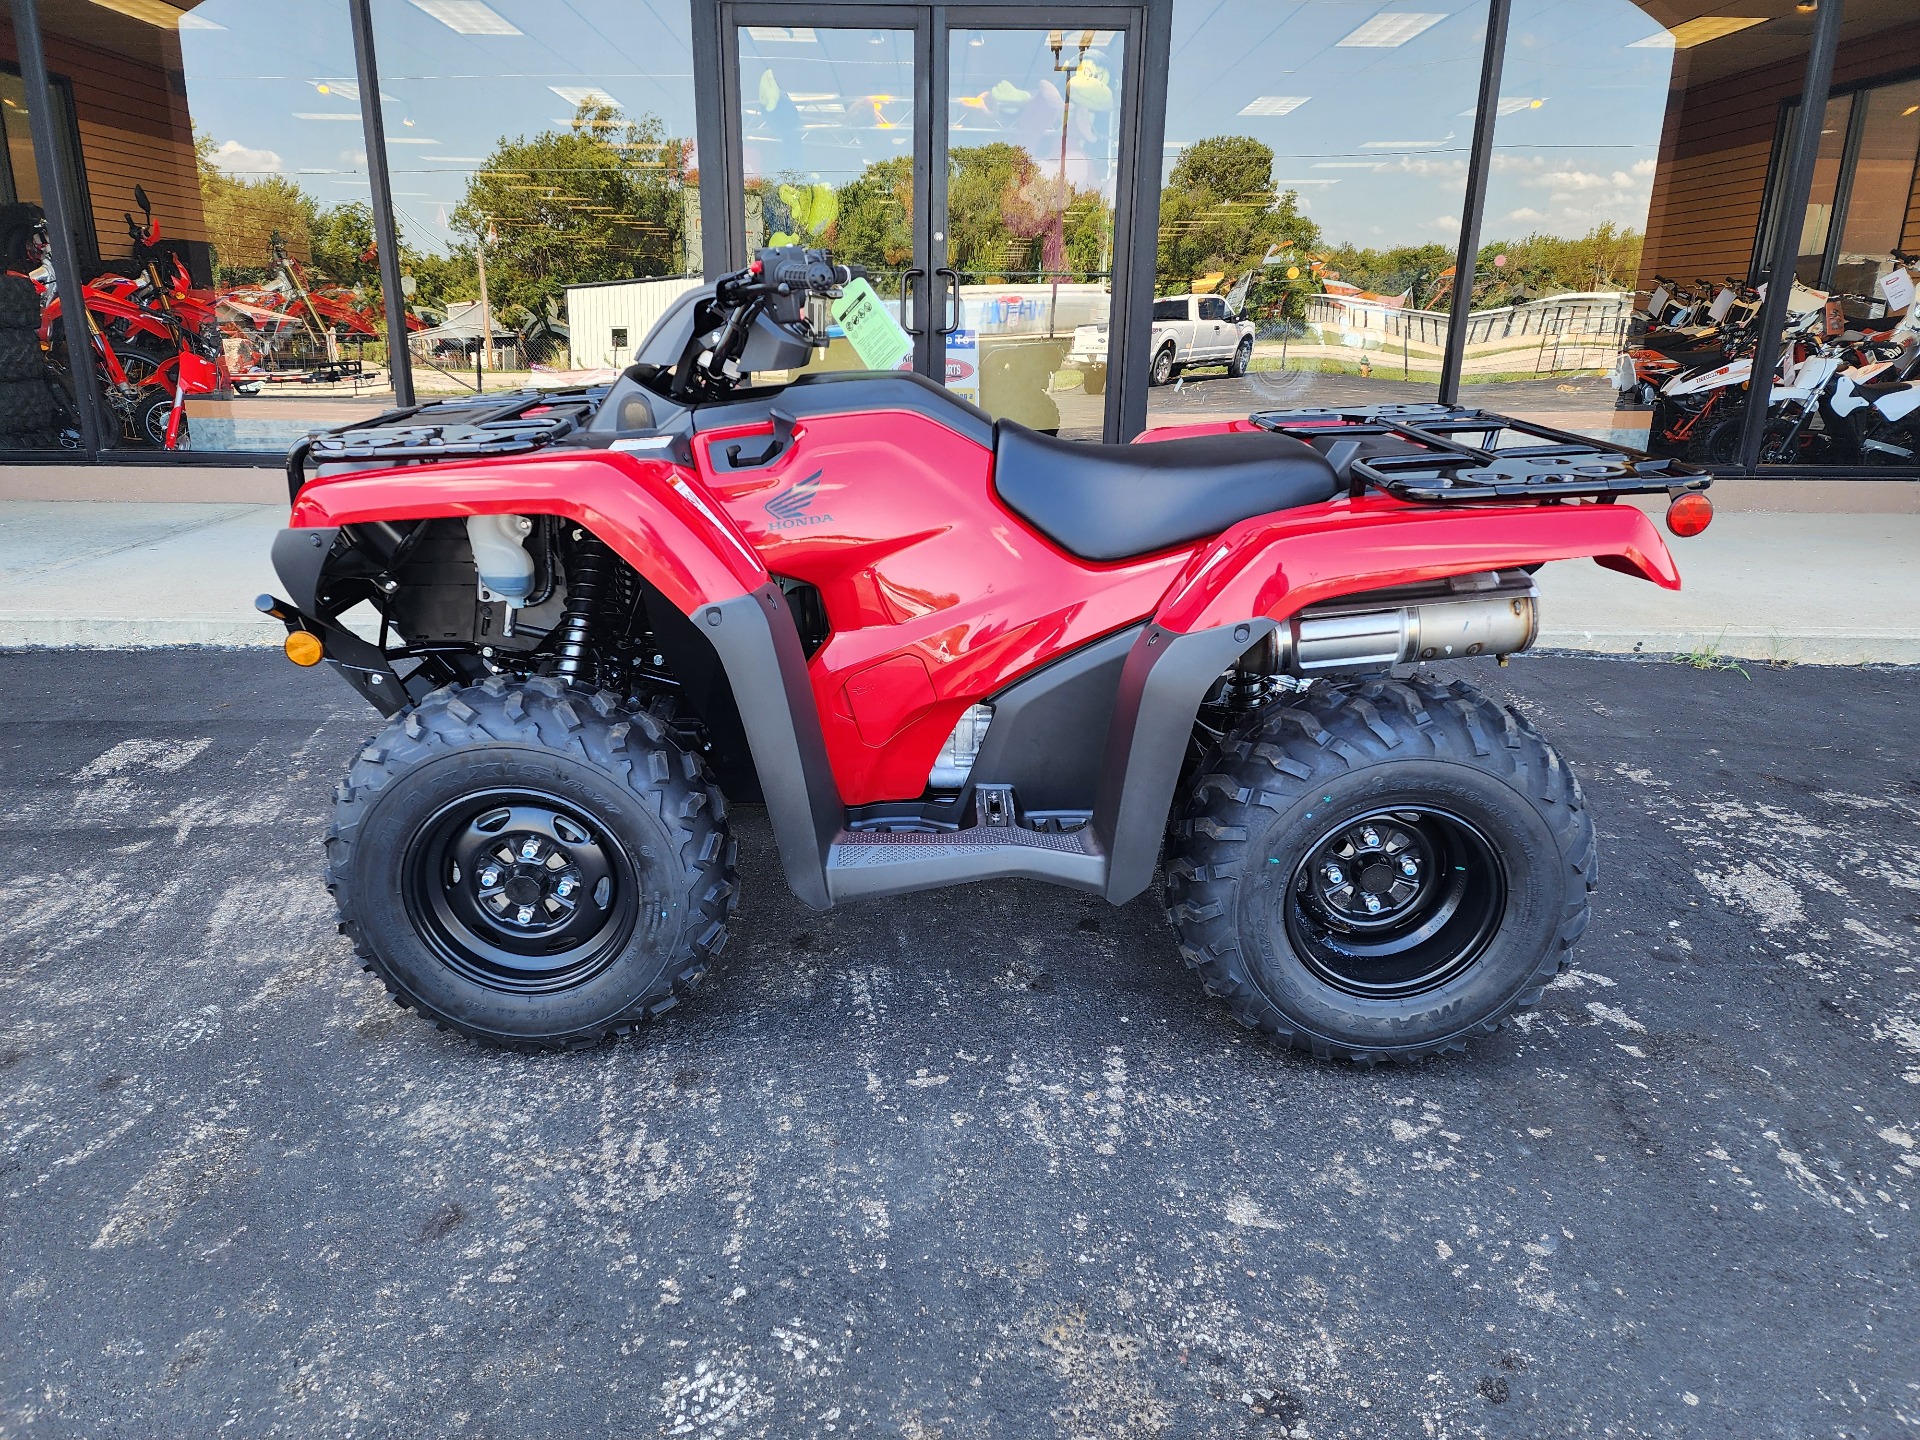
[(906, 283), (952, 278)]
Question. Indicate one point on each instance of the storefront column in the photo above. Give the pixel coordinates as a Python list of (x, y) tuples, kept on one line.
[(56, 198), (385, 238), (1804, 150), (1479, 166)]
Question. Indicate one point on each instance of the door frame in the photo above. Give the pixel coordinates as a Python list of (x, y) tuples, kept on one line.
[(1143, 95)]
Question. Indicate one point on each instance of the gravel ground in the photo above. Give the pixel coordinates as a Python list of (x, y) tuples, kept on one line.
[(981, 1163)]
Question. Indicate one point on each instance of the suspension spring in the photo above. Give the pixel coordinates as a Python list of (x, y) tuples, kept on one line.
[(587, 573)]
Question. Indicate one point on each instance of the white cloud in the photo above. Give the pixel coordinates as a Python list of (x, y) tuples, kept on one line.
[(232, 156), (1571, 180), (1446, 224), (1526, 212)]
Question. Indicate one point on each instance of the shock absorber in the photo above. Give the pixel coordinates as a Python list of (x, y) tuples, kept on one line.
[(587, 573)]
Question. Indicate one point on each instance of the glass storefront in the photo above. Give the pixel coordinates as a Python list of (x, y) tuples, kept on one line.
[(220, 204), (1315, 179), (1312, 186), (542, 164)]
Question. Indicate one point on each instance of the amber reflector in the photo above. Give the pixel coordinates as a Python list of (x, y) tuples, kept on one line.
[(1689, 514), (305, 649)]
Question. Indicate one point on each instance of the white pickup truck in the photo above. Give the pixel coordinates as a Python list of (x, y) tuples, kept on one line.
[(1187, 330)]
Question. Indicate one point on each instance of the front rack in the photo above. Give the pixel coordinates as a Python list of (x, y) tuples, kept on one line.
[(1410, 452), (459, 428)]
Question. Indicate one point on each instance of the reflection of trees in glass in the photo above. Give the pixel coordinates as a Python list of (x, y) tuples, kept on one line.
[(1605, 258), (1219, 215), (1001, 209), (243, 215), (600, 200)]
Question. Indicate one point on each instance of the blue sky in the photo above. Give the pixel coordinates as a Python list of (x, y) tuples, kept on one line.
[(1373, 136)]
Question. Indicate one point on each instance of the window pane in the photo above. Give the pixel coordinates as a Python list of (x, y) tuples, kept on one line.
[(1033, 135), (1315, 177), (240, 122), (36, 399), (826, 129), (542, 156), (1817, 225), (1624, 152), (1877, 200)]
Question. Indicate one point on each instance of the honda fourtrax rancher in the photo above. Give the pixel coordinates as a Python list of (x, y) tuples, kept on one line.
[(940, 648)]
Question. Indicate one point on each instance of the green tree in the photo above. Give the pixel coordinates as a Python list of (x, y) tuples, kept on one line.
[(242, 216), (1220, 213), (599, 200)]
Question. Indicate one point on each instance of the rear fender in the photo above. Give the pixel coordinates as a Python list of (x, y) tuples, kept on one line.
[(1273, 565), (1236, 591)]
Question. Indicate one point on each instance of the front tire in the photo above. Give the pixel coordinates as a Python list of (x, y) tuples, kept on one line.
[(1242, 359), (530, 865), (1381, 870), (1162, 371), (152, 416)]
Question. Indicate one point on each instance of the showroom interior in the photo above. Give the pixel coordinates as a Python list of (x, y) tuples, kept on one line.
[(353, 205)]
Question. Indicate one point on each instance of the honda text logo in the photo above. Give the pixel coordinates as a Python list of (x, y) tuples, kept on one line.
[(793, 508)]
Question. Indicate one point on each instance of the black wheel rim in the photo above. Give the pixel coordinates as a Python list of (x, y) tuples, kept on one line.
[(1395, 902), (520, 891)]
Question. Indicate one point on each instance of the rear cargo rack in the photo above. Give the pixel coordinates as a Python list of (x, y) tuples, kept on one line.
[(461, 428), (1412, 452)]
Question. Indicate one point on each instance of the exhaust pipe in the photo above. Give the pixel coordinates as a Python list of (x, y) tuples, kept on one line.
[(1491, 613)]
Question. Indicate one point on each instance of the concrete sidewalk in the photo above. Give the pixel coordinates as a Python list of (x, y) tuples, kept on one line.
[(1810, 572)]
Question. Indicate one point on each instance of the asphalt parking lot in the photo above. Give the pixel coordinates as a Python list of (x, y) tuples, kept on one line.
[(981, 1163)]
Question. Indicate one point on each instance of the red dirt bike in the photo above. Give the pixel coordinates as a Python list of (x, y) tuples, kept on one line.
[(943, 649), (155, 341)]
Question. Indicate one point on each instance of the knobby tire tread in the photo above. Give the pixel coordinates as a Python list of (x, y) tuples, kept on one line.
[(633, 749), (1261, 770)]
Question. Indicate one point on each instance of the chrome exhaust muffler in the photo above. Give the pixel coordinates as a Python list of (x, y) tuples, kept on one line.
[(1489, 613)]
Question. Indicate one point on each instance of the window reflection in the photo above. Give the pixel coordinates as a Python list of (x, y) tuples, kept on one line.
[(1315, 178)]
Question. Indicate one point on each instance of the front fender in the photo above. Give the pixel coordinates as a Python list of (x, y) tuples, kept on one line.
[(653, 513), (1273, 565)]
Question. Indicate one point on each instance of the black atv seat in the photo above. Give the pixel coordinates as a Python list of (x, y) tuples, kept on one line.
[(1112, 502)]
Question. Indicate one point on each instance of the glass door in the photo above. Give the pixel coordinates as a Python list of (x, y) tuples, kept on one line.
[(833, 150), (969, 160), (1031, 163)]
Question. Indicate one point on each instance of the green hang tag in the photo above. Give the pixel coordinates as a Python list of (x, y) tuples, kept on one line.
[(877, 337)]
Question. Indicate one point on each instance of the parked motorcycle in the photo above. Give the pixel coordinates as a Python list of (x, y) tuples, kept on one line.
[(154, 340)]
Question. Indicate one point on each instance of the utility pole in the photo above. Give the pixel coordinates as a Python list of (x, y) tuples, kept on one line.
[(486, 314)]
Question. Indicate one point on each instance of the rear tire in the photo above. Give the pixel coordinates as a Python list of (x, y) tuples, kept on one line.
[(1318, 804), (530, 865)]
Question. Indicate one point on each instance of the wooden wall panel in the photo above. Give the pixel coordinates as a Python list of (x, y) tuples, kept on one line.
[(1714, 154)]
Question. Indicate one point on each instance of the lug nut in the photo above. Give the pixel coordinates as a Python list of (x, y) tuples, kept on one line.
[(1372, 837), (1372, 902), (489, 878), (1407, 867), (1335, 875), (525, 915), (565, 887), (529, 848)]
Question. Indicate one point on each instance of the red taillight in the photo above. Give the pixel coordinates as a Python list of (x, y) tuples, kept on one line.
[(1689, 514)]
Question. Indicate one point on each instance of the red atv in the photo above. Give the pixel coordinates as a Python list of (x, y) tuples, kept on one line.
[(942, 649)]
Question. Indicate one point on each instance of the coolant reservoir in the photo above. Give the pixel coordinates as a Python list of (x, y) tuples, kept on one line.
[(500, 555)]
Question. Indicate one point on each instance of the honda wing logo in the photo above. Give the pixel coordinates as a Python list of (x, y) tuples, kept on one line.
[(793, 507)]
